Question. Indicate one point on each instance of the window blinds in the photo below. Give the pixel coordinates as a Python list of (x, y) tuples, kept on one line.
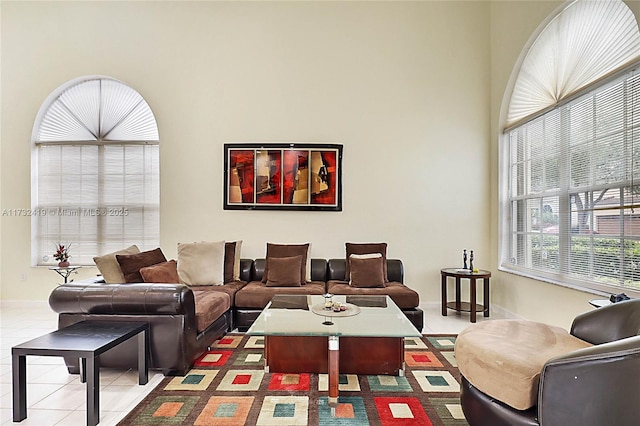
[(575, 190), (97, 172), (585, 42)]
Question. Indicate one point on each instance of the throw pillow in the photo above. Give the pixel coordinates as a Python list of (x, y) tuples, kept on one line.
[(232, 260), (109, 267), (236, 264), (284, 271), (366, 248), (132, 263), (287, 250), (201, 263), (366, 271), (229, 261), (166, 272)]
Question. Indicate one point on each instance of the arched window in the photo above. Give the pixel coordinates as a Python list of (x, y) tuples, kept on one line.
[(95, 168), (571, 151)]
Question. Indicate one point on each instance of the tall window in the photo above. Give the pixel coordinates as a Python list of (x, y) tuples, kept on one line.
[(572, 149), (95, 168)]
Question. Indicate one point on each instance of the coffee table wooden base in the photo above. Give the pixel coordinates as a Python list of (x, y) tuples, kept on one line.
[(333, 355), (357, 355)]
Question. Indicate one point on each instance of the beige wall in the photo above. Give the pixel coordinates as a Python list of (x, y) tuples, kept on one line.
[(412, 90), (404, 86)]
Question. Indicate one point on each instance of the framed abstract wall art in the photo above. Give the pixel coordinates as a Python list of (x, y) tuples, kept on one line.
[(283, 176)]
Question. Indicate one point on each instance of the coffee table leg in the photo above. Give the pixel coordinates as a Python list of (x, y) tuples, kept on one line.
[(334, 365), (143, 357), (19, 371), (93, 390)]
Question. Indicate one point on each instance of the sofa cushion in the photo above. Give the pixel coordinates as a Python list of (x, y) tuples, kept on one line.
[(229, 260), (288, 250), (210, 305), (110, 268), (366, 248), (132, 263), (232, 261), (284, 271), (229, 288), (401, 295), (166, 272), (504, 358), (201, 263), (256, 295), (366, 270)]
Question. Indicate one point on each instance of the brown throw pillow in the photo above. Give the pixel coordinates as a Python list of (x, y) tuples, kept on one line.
[(367, 248), (109, 267), (132, 263), (166, 272), (229, 260), (287, 250), (284, 271), (367, 272)]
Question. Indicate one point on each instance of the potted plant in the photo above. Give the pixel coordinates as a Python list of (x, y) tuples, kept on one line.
[(62, 255)]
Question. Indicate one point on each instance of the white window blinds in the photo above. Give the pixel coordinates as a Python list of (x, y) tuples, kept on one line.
[(572, 206), (96, 164), (575, 190), (585, 42)]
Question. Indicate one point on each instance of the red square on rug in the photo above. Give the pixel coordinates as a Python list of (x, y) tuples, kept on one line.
[(421, 359), (213, 359), (401, 411), (241, 379), (290, 382)]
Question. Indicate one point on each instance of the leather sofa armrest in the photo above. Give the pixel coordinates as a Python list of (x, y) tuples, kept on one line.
[(123, 299), (592, 386), (609, 323)]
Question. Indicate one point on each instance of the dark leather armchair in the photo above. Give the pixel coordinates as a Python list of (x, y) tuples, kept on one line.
[(596, 386)]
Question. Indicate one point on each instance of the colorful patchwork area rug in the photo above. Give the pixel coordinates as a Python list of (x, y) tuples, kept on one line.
[(228, 386)]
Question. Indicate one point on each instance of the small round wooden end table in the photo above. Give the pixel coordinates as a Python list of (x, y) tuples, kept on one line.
[(458, 305)]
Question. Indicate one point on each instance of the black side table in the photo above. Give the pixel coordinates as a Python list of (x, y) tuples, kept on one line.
[(472, 307), (85, 340)]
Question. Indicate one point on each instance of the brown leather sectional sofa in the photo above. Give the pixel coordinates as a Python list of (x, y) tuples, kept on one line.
[(184, 320)]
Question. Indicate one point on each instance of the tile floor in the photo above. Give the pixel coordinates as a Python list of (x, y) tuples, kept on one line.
[(55, 397)]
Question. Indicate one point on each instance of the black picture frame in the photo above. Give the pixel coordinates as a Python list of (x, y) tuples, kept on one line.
[(283, 176)]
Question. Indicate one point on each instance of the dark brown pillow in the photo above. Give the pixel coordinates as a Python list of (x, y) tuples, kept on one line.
[(166, 272), (367, 248), (132, 263), (287, 250), (367, 273), (284, 271), (229, 260)]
